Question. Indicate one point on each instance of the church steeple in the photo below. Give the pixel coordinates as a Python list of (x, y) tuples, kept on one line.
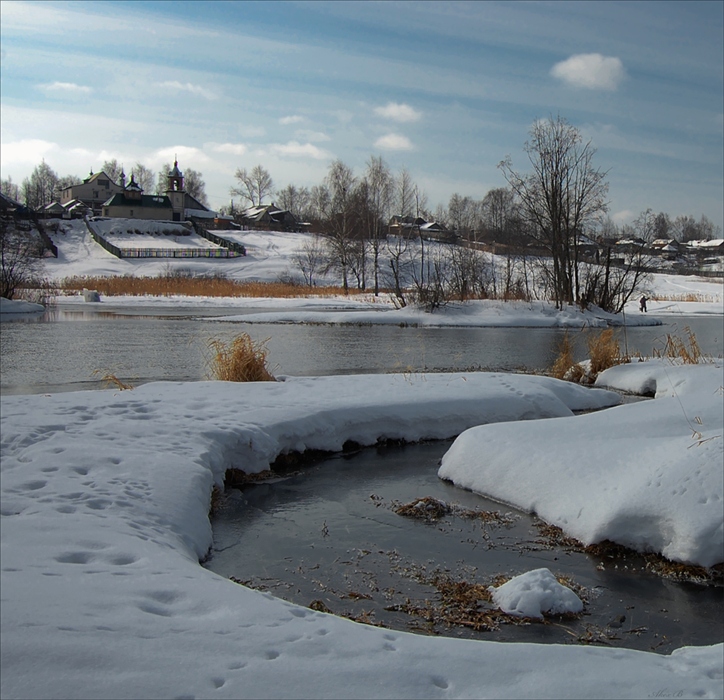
[(175, 192)]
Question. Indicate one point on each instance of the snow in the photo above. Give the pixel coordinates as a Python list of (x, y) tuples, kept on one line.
[(478, 314), (105, 497), (18, 306), (104, 519), (534, 594), (647, 475)]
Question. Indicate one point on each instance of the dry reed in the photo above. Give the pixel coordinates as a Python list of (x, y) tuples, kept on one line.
[(604, 351), (187, 285), (240, 360), (686, 350)]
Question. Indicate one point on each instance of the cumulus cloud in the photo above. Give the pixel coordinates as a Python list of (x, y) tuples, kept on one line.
[(188, 156), (26, 151), (394, 142), (236, 149), (293, 119), (59, 88), (590, 70), (177, 86), (296, 149), (398, 112)]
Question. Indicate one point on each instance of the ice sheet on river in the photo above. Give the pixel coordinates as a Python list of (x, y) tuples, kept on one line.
[(104, 518)]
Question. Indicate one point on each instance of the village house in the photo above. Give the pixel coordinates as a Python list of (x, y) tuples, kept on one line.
[(268, 217), (92, 192)]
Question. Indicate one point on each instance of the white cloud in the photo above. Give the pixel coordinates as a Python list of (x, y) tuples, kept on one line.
[(307, 135), (65, 88), (293, 119), (237, 149), (187, 156), (394, 142), (590, 70), (398, 112), (188, 87), (26, 151), (296, 149)]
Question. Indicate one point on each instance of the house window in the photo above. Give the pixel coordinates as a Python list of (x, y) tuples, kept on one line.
[(103, 183)]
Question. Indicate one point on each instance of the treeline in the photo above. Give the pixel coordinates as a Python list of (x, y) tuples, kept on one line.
[(44, 185)]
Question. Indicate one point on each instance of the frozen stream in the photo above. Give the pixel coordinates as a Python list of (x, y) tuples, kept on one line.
[(328, 535)]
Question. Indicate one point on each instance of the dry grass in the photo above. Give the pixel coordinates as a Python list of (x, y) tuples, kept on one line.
[(604, 351), (193, 286), (564, 360), (240, 360), (432, 509), (685, 350), (690, 296), (112, 381)]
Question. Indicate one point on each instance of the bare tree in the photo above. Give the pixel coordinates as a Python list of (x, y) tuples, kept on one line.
[(145, 177), (253, 186), (20, 259), (310, 260), (563, 195), (378, 187), (339, 220), (39, 189), (295, 200), (10, 189), (113, 169)]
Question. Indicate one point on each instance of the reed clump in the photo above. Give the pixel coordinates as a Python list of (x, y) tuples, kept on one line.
[(685, 350), (183, 284), (603, 352), (239, 360)]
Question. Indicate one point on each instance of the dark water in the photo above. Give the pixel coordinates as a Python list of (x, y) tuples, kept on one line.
[(330, 534), (71, 348)]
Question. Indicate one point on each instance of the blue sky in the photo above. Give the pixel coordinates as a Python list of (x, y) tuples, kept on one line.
[(446, 90)]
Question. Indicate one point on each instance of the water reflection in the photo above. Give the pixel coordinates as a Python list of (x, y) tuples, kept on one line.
[(61, 350)]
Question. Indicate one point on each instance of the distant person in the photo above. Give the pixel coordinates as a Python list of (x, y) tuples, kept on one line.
[(642, 304)]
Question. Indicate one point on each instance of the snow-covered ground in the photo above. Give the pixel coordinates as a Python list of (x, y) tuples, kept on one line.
[(104, 518), (105, 495), (270, 255)]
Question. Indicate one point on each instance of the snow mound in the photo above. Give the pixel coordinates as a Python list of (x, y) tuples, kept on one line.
[(18, 306), (646, 475), (534, 594)]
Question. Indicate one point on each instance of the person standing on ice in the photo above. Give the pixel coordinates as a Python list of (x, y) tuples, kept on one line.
[(642, 304)]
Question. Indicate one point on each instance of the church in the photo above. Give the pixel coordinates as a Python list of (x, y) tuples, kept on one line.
[(175, 205)]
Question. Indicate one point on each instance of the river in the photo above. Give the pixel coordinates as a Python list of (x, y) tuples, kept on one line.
[(72, 347)]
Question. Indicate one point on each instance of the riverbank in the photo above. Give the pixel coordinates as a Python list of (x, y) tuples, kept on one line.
[(105, 499)]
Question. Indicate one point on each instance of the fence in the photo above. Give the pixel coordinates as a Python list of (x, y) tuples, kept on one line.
[(163, 252), (175, 253), (230, 245)]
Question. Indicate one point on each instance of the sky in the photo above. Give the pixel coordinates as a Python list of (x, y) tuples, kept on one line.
[(446, 90)]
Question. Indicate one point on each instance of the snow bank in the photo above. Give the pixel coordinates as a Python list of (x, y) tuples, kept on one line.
[(104, 517), (534, 594), (473, 314), (18, 306), (647, 475)]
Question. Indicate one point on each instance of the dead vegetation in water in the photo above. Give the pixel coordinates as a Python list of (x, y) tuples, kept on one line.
[(241, 359), (603, 352), (431, 510), (684, 350), (613, 555), (111, 380), (469, 604)]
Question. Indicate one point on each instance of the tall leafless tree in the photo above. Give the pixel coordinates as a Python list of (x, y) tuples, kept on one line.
[(253, 186), (561, 197)]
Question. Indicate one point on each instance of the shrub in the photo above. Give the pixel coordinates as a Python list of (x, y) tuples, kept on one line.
[(241, 360)]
